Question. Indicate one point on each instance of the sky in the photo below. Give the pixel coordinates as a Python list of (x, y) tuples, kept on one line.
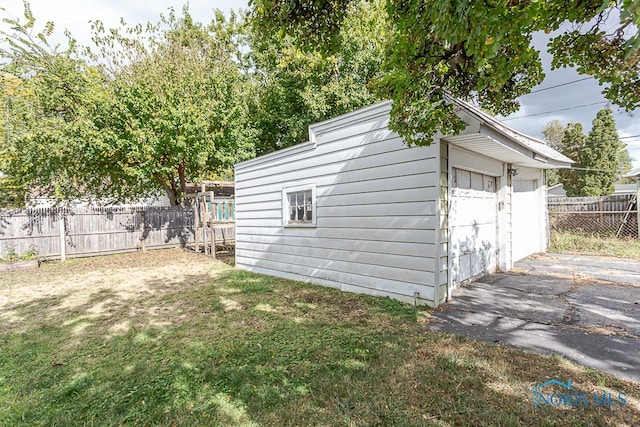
[(573, 100)]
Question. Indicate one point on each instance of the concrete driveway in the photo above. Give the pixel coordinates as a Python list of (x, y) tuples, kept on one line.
[(584, 308)]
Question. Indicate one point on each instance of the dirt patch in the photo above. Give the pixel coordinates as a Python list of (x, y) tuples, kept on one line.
[(81, 291)]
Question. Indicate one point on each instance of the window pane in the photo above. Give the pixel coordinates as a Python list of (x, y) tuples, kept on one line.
[(300, 206)]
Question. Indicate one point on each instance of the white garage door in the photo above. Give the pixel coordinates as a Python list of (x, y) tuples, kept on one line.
[(473, 225), (527, 219)]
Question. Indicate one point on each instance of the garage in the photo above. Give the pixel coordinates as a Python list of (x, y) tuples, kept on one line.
[(473, 221), (528, 219)]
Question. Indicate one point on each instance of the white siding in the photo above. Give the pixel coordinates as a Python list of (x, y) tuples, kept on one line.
[(376, 210)]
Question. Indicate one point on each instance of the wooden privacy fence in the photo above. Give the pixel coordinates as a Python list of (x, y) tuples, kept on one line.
[(61, 232), (615, 215)]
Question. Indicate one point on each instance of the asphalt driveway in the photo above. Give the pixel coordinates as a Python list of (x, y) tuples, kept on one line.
[(584, 308)]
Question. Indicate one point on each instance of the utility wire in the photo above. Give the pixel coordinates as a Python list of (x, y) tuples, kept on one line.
[(593, 170), (554, 111), (557, 86)]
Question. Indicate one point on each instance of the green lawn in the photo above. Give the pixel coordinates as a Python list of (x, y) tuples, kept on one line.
[(170, 338)]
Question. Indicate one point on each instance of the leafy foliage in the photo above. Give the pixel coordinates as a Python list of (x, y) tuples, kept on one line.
[(296, 87), (177, 110), (572, 144), (474, 50), (602, 158), (600, 153), (45, 91), (553, 134), (162, 105)]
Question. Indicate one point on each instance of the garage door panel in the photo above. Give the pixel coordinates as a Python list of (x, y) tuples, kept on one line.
[(481, 262), (464, 266), (461, 179), (473, 224), (477, 181), (474, 237)]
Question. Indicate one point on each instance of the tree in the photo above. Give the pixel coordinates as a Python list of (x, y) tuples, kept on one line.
[(46, 89), (149, 109), (553, 134), (296, 87), (178, 107), (475, 50), (572, 145), (11, 191), (601, 156)]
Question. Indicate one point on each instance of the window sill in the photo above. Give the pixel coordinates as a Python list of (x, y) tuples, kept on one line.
[(300, 225)]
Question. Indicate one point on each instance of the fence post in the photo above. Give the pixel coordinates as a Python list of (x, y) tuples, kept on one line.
[(63, 241), (638, 203), (143, 238)]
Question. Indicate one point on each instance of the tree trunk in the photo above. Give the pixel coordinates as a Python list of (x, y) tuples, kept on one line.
[(169, 190)]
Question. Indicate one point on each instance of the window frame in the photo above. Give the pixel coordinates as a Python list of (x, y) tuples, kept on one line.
[(286, 222)]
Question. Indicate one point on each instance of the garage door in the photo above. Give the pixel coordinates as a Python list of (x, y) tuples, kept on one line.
[(473, 224), (526, 219)]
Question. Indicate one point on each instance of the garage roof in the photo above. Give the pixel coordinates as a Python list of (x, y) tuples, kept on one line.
[(487, 136)]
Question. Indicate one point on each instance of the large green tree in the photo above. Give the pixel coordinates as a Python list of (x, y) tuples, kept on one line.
[(601, 155), (12, 192), (296, 87), (147, 110), (178, 110), (572, 144), (475, 49), (46, 92)]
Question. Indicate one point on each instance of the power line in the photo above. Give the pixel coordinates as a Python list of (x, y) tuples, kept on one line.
[(593, 170), (558, 85), (554, 111)]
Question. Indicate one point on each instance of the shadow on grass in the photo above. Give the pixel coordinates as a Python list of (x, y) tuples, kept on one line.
[(245, 349)]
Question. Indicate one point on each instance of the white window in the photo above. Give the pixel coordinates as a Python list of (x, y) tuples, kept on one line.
[(299, 206)]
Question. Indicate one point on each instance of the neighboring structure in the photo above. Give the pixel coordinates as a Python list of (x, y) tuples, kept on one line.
[(355, 208)]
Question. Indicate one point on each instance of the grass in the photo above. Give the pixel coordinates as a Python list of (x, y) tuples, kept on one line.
[(585, 244), (170, 338)]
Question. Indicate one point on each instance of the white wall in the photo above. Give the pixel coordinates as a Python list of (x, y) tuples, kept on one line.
[(376, 210), (529, 223)]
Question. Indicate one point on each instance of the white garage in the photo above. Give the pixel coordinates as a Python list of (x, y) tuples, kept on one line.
[(381, 218)]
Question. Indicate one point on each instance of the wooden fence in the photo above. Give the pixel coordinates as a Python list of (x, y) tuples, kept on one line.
[(615, 215), (57, 233)]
